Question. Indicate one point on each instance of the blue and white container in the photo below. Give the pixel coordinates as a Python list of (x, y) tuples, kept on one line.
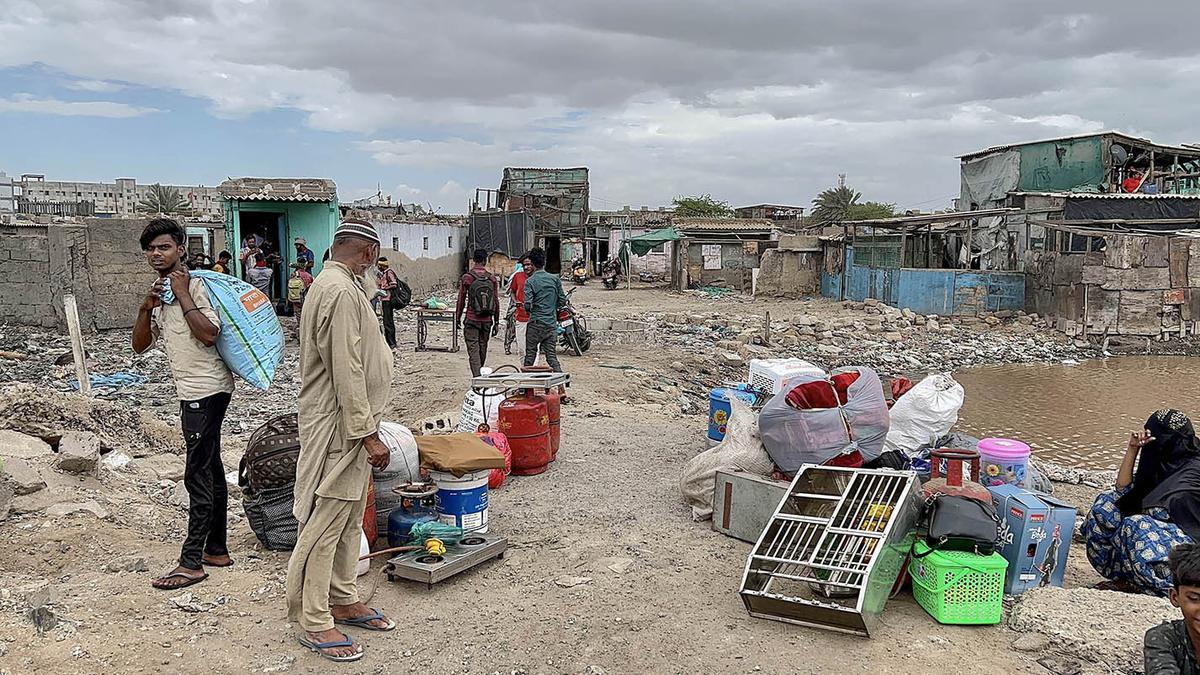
[(462, 501), (719, 408)]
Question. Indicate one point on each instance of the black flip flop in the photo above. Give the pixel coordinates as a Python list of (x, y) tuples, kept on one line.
[(191, 581)]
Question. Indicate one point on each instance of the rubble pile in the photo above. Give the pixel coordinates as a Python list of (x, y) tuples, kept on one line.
[(31, 410), (1074, 625), (871, 333)]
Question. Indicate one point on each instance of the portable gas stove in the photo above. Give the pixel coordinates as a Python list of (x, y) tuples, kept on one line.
[(430, 569)]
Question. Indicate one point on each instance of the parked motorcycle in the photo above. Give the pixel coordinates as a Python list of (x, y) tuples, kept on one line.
[(579, 272), (572, 328), (611, 274)]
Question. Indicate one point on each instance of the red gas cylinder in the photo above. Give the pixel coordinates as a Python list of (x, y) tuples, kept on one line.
[(524, 420), (953, 483), (553, 408)]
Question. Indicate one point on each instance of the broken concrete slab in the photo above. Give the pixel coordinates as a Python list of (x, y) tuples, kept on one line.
[(34, 502), (165, 466), (729, 359), (78, 452), (23, 446), (26, 478), (67, 508)]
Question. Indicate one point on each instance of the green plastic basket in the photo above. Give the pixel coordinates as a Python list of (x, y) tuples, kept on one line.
[(957, 587)]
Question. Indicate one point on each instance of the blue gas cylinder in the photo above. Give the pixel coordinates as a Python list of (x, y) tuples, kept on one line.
[(417, 505)]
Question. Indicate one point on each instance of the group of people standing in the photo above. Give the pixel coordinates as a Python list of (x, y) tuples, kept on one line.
[(534, 297)]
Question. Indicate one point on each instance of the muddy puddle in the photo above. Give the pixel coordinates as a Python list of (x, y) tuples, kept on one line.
[(1079, 415)]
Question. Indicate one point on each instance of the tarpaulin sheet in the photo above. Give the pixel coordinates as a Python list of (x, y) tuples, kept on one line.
[(989, 179), (1134, 208), (507, 232), (644, 243)]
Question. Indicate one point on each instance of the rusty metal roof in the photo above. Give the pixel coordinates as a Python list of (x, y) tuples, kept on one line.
[(279, 189), (705, 224)]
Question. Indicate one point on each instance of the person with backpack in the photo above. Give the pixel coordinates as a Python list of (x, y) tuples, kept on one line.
[(297, 286), (388, 284), (479, 296)]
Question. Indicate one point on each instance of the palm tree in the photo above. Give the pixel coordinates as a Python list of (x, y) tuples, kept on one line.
[(165, 200), (833, 205)]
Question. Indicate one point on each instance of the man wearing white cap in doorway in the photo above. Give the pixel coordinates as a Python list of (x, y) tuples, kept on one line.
[(346, 375), (304, 254)]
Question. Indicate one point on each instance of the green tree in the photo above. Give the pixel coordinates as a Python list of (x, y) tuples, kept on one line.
[(834, 205), (165, 200), (871, 211), (701, 205)]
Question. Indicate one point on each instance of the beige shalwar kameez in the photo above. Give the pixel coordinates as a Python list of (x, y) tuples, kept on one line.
[(346, 372)]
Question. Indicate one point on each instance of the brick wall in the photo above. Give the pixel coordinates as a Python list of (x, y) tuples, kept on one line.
[(100, 261), (25, 287)]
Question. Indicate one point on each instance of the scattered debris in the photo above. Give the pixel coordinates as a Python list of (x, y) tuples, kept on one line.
[(190, 602), (67, 508), (571, 582)]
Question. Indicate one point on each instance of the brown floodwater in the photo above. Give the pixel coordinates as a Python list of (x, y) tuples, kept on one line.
[(1079, 415)]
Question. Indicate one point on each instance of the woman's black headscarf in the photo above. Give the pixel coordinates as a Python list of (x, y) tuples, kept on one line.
[(1168, 473)]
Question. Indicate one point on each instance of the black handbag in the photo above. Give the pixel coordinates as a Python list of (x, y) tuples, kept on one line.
[(953, 523)]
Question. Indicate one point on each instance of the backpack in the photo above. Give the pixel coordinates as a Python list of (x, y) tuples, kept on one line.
[(295, 288), (271, 454), (481, 295), (401, 294)]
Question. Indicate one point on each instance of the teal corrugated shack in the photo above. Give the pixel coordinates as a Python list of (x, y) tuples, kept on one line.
[(279, 210), (1097, 162)]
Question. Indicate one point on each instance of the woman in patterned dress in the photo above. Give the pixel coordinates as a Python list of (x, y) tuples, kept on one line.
[(1131, 530)]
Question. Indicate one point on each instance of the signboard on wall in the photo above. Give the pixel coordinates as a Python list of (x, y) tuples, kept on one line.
[(711, 253)]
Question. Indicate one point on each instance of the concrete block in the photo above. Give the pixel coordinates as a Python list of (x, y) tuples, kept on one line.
[(78, 452)]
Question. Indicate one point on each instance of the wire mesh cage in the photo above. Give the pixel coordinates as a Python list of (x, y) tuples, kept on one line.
[(833, 549)]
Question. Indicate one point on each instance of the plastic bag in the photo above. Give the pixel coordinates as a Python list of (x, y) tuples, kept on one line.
[(250, 340), (403, 467), (500, 442), (924, 414), (364, 566), (794, 436), (741, 450)]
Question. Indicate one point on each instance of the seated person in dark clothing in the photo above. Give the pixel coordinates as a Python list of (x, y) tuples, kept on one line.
[(1170, 647)]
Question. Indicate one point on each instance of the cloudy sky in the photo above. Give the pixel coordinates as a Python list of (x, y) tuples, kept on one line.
[(752, 101)]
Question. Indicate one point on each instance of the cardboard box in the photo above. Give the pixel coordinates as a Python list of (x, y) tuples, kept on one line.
[(743, 503), (1035, 537)]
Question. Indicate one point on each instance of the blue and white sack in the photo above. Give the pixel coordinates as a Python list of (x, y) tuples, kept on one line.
[(250, 340)]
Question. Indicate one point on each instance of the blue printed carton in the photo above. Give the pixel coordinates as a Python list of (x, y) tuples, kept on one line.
[(1035, 537)]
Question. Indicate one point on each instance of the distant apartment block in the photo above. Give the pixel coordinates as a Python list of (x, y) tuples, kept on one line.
[(36, 195)]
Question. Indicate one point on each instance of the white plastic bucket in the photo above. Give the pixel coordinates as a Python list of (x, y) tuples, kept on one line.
[(462, 501)]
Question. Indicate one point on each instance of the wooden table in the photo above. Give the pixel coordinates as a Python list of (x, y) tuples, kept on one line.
[(426, 316)]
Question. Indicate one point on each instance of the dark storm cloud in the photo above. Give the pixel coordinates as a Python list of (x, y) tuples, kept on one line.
[(760, 99)]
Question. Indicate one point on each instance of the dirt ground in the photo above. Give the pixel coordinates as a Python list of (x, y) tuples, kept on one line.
[(612, 494)]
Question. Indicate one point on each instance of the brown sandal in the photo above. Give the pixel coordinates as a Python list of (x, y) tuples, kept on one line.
[(191, 581)]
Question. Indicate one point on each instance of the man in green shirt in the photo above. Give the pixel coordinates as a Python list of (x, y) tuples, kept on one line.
[(543, 296)]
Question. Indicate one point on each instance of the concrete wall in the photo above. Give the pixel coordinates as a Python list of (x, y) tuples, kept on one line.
[(99, 261), (427, 256), (789, 273), (926, 291)]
